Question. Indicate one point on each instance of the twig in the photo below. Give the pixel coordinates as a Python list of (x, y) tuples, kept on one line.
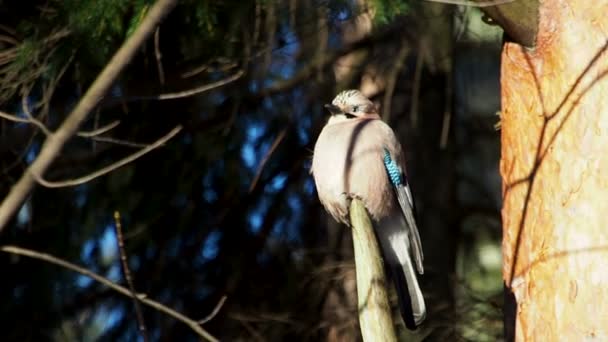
[(392, 80), (107, 282), (274, 145), (93, 135), (127, 275), (416, 86), (157, 54), (20, 156), (256, 24), (215, 310), (292, 14), (54, 142), (30, 117), (84, 179), (472, 3), (447, 112), (118, 141), (9, 40), (186, 93), (223, 64), (271, 22), (100, 130), (305, 72), (256, 335), (14, 118), (51, 86), (322, 38)]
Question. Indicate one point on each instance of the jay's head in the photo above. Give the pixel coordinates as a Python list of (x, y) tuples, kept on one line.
[(351, 104)]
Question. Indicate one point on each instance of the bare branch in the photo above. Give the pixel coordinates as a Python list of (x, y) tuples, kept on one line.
[(157, 54), (54, 142), (118, 142), (416, 85), (26, 110), (93, 135), (127, 275), (100, 130), (109, 168), (215, 310), (472, 3), (274, 145), (392, 80), (120, 289), (14, 118), (447, 111), (187, 93)]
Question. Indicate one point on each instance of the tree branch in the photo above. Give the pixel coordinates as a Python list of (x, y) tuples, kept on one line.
[(120, 289), (127, 274), (109, 168), (54, 142), (472, 3)]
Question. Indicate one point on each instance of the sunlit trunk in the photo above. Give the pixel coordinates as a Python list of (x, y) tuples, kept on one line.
[(554, 165)]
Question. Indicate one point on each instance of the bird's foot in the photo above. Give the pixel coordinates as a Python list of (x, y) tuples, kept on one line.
[(350, 196)]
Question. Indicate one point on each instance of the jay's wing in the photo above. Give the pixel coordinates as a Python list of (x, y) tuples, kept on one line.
[(406, 202)]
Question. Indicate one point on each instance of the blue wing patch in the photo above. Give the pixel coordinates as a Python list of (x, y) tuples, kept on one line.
[(394, 172)]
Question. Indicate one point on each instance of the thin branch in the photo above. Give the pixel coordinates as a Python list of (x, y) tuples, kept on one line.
[(215, 310), (274, 145), (216, 64), (472, 3), (447, 111), (51, 86), (322, 38), (107, 282), (186, 93), (118, 142), (256, 24), (54, 142), (158, 55), (271, 22), (109, 168), (30, 117), (9, 40), (392, 80), (84, 134), (100, 130), (20, 156), (14, 118), (93, 135), (292, 14), (127, 274), (305, 72), (416, 85)]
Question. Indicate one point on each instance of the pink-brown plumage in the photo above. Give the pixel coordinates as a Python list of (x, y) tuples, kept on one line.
[(360, 171)]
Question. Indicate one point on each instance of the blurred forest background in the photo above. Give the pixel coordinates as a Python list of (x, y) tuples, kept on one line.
[(228, 207)]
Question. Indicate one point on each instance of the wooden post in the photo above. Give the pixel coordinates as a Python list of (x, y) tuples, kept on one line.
[(375, 316)]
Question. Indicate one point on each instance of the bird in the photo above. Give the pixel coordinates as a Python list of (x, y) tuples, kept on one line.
[(357, 155)]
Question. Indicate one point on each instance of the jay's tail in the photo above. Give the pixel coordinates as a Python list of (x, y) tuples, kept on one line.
[(395, 244)]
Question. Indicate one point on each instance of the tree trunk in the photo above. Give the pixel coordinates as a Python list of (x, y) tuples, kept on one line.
[(555, 169)]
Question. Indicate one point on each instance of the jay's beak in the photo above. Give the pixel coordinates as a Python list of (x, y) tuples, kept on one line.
[(333, 109)]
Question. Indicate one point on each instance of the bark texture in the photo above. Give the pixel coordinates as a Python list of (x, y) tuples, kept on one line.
[(554, 166)]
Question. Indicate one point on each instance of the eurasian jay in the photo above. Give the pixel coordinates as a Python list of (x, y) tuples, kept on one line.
[(357, 155)]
